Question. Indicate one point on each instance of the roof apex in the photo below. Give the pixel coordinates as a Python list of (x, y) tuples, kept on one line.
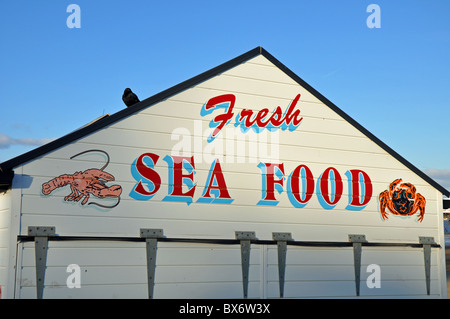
[(107, 120)]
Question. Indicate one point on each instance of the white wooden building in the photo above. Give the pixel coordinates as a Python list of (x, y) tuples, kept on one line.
[(243, 181)]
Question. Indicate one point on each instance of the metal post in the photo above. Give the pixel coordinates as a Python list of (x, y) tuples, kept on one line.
[(357, 241), (245, 238), (151, 241), (281, 239), (427, 242), (40, 234)]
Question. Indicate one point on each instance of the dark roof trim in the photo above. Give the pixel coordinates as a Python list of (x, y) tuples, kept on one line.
[(356, 124), (107, 120), (446, 203), (6, 179)]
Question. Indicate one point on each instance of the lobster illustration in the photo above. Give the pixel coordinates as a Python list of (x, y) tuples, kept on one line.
[(402, 199), (83, 184)]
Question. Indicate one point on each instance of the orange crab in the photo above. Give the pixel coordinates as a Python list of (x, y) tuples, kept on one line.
[(402, 199)]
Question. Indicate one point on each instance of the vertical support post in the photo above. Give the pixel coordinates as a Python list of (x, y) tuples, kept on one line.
[(357, 241), (151, 242), (245, 239), (426, 243), (41, 234), (281, 239)]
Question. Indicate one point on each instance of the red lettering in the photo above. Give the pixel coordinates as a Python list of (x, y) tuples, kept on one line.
[(222, 119), (278, 113), (336, 186), (270, 181), (247, 114), (260, 116), (216, 176), (147, 175), (355, 188), (300, 183), (291, 118), (295, 116), (178, 176), (295, 184)]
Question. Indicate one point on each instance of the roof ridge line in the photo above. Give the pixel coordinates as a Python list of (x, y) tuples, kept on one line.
[(107, 120)]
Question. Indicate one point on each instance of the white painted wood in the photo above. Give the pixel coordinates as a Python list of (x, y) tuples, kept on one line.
[(441, 254), (215, 269), (5, 217), (323, 140)]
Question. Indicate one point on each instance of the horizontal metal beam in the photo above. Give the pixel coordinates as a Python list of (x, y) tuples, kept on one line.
[(25, 238)]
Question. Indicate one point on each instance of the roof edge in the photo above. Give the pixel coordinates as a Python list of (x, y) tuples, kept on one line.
[(107, 120), (358, 126)]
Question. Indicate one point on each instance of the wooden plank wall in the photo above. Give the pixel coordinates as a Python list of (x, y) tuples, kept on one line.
[(322, 140), (5, 219)]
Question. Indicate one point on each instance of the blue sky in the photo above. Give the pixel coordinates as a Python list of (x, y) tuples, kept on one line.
[(394, 80)]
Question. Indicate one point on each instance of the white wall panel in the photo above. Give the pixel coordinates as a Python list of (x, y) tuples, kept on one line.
[(323, 139), (202, 270), (216, 268), (5, 220)]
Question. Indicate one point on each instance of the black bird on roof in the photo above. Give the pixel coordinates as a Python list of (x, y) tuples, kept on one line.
[(129, 98)]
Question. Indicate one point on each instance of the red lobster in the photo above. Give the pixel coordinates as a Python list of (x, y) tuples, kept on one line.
[(91, 181)]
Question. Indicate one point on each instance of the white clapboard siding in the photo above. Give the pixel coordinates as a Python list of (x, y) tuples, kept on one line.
[(215, 269), (309, 275), (174, 127), (5, 219)]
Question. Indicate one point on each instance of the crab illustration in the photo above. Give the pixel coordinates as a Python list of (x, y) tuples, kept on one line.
[(402, 199)]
